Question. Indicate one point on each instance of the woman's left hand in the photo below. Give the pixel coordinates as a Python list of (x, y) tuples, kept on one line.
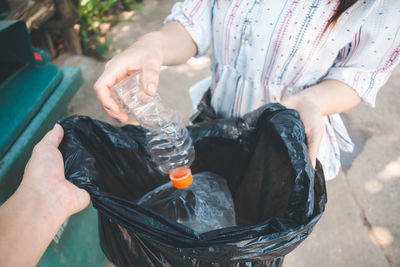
[(311, 117)]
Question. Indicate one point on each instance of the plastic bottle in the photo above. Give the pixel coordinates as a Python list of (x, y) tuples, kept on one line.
[(202, 203), (204, 206), (168, 139)]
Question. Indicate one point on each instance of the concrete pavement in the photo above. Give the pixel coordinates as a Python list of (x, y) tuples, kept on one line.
[(361, 225)]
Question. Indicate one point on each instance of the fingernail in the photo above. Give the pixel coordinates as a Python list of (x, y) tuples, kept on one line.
[(151, 89)]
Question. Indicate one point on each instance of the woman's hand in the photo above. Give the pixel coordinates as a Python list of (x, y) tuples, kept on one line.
[(146, 56), (171, 45), (325, 98), (311, 117)]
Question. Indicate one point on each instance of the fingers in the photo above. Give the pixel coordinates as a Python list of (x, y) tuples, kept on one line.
[(122, 116), (103, 87), (54, 136), (143, 97), (111, 76), (82, 200), (314, 139), (150, 76), (72, 198), (113, 73)]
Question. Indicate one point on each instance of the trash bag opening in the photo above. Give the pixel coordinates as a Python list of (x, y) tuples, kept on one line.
[(263, 156), (257, 163)]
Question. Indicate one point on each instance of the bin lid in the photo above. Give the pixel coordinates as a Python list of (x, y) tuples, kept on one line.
[(22, 95)]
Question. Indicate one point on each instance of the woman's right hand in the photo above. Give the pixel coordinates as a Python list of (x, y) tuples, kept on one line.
[(146, 56)]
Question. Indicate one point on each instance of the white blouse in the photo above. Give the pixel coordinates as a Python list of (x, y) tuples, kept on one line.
[(265, 50)]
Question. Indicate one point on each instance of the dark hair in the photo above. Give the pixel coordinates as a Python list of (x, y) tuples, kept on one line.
[(342, 7)]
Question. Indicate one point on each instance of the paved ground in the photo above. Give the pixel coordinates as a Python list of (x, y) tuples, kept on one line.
[(361, 225)]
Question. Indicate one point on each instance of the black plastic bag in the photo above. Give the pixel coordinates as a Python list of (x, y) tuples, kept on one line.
[(278, 196)]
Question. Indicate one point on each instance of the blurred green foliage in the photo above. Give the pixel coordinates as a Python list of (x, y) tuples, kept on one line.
[(95, 18)]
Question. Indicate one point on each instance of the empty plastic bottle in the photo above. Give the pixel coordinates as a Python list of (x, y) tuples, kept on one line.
[(168, 139), (204, 206)]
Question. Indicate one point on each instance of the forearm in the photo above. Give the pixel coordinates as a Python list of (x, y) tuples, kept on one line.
[(27, 225), (175, 43), (330, 96), (326, 98)]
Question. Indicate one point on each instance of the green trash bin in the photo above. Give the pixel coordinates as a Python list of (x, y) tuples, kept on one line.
[(34, 94)]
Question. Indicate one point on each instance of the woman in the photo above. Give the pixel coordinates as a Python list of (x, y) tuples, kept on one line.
[(319, 57)]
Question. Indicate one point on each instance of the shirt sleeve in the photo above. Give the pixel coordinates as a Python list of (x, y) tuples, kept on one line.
[(195, 16), (367, 62)]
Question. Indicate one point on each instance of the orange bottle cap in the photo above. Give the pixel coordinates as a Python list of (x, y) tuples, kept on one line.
[(181, 177)]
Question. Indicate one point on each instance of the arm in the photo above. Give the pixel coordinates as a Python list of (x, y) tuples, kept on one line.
[(31, 217), (374, 55), (330, 97), (177, 45), (27, 225), (171, 45), (326, 98)]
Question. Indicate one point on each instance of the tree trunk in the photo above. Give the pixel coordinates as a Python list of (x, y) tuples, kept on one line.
[(64, 11)]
